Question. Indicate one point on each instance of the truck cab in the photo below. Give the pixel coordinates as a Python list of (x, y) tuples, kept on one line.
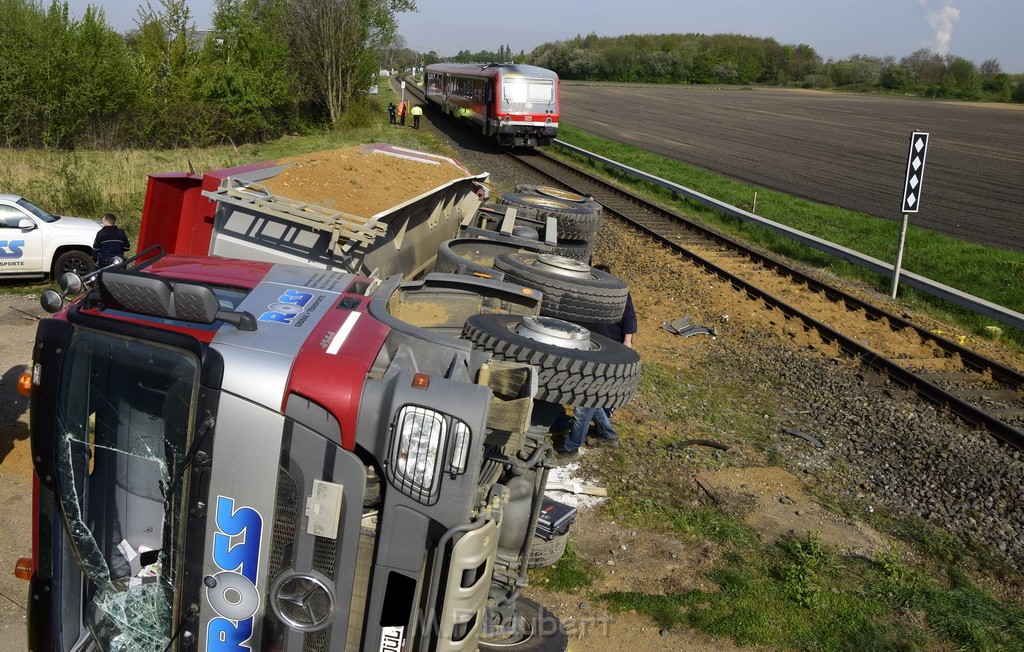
[(296, 452), (35, 243)]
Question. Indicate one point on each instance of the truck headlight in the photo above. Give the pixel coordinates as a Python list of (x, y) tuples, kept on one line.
[(424, 445)]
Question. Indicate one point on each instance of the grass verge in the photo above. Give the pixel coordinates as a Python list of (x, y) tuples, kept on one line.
[(990, 273)]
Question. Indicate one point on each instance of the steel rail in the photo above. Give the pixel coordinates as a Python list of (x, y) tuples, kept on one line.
[(583, 182)]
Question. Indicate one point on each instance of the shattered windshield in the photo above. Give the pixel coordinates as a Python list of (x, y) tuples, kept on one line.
[(124, 414)]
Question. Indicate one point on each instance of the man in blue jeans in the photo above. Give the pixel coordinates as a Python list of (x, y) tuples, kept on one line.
[(581, 418)]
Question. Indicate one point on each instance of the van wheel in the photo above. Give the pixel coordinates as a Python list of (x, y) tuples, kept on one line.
[(575, 366), (75, 261)]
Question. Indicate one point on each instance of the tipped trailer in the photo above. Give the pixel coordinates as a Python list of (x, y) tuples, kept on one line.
[(276, 428)]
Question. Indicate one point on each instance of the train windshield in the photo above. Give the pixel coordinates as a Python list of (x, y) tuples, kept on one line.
[(528, 91)]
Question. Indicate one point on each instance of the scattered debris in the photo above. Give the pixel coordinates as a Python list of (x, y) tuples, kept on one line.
[(685, 327), (704, 442), (577, 488), (796, 433)]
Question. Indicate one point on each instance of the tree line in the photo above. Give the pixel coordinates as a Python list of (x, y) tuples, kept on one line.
[(737, 59), (266, 68)]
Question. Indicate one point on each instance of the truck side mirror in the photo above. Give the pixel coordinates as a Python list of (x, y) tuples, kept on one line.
[(26, 224)]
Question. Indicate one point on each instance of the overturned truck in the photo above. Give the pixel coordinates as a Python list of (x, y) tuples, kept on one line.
[(278, 428)]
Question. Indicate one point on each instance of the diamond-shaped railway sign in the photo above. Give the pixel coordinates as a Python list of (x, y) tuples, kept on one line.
[(915, 172)]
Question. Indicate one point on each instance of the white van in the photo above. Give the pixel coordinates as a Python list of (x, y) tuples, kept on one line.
[(34, 243)]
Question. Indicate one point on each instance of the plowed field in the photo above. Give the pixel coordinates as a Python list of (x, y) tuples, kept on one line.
[(845, 150)]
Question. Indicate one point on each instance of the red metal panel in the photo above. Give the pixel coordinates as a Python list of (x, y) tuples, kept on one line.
[(335, 379)]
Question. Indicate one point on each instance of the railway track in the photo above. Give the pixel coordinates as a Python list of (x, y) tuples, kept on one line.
[(981, 391)]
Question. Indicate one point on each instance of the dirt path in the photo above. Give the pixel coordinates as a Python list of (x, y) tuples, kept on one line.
[(18, 329)]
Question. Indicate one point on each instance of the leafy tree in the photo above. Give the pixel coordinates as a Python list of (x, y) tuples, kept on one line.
[(926, 66), (62, 82), (243, 72), (336, 45), (164, 46)]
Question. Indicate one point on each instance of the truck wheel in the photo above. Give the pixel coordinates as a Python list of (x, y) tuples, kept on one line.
[(575, 221), (544, 552), (542, 632), (558, 193), (573, 291), (576, 249), (575, 366), (75, 261)]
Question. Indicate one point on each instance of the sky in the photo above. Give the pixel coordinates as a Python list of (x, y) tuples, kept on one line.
[(974, 29)]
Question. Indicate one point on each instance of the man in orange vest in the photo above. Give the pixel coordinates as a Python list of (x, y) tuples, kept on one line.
[(401, 113)]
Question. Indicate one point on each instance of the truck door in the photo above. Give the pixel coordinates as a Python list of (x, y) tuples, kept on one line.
[(21, 249)]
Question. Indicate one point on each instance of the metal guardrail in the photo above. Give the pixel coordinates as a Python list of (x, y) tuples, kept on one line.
[(926, 285)]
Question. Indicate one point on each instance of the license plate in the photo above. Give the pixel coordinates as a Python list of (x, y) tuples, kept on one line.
[(391, 639)]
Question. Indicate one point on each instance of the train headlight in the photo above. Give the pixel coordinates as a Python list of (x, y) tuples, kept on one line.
[(425, 444)]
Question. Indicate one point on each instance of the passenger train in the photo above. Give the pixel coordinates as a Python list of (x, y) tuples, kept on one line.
[(517, 104)]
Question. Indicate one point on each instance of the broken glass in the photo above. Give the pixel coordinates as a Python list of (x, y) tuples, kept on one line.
[(125, 409)]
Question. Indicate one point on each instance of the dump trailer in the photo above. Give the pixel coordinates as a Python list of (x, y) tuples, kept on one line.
[(276, 428)]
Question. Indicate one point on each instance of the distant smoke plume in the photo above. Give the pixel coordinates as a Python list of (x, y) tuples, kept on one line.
[(941, 20)]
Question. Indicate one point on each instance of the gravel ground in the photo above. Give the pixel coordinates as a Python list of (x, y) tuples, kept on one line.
[(885, 448)]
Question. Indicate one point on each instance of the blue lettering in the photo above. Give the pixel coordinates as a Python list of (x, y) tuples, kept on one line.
[(296, 297), (223, 634), (15, 247), (244, 555), (278, 317)]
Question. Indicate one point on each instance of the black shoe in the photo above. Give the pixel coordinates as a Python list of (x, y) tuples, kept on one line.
[(603, 441)]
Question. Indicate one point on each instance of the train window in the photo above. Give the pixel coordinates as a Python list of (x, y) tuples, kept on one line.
[(520, 91)]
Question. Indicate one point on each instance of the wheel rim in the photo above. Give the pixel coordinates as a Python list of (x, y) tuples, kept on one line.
[(562, 265), (560, 194), (75, 265), (556, 332), (548, 203)]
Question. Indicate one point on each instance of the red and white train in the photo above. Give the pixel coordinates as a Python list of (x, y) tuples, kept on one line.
[(517, 104)]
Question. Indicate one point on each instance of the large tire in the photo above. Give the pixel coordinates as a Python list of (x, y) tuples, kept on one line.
[(575, 249), (575, 221), (545, 552), (75, 261), (558, 193), (575, 366), (543, 632), (573, 291)]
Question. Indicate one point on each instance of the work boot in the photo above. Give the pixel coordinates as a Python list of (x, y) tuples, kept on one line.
[(564, 457), (603, 441)]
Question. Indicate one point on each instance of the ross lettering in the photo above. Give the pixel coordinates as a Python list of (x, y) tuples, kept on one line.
[(232, 593)]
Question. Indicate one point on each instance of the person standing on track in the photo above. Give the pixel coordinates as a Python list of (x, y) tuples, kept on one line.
[(417, 113)]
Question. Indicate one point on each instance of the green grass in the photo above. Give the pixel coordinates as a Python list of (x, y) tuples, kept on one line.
[(570, 574), (990, 273), (799, 595)]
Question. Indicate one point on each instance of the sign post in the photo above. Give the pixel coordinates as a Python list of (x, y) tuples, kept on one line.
[(403, 90), (911, 195)]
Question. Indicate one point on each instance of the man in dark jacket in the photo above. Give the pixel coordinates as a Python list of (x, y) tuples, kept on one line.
[(111, 241)]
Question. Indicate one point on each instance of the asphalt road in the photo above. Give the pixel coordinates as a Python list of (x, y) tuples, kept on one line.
[(839, 149)]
